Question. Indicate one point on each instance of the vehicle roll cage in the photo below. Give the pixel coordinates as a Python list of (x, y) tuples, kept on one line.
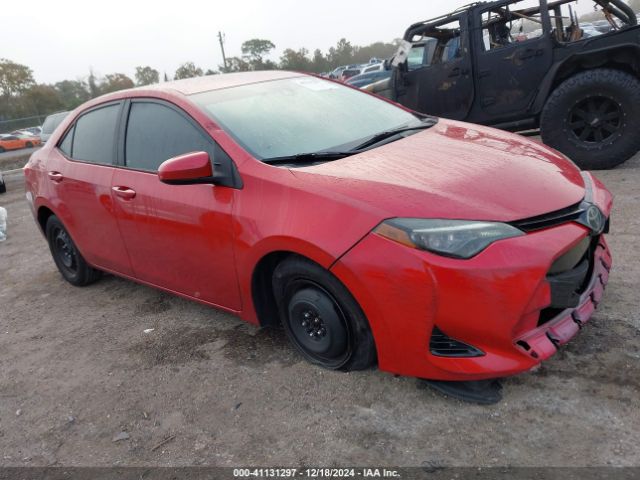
[(610, 8)]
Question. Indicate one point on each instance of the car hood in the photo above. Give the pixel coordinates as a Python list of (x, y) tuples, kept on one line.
[(452, 170)]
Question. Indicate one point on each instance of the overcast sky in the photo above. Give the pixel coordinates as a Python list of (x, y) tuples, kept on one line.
[(62, 39)]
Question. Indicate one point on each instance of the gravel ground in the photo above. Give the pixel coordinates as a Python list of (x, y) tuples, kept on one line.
[(15, 158), (77, 372)]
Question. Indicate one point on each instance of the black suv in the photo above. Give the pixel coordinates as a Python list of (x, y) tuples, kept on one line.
[(527, 68)]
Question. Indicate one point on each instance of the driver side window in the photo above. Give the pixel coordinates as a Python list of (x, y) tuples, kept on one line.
[(156, 133)]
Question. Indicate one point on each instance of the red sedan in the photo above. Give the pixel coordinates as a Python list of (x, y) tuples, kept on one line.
[(436, 249)]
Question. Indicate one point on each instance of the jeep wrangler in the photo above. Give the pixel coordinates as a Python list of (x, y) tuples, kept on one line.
[(519, 67)]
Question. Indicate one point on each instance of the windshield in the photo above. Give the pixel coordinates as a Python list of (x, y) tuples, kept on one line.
[(300, 115)]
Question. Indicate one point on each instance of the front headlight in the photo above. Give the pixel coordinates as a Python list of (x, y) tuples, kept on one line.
[(451, 238)]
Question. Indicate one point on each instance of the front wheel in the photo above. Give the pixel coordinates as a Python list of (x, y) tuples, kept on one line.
[(321, 318), (29, 145), (70, 263), (593, 118)]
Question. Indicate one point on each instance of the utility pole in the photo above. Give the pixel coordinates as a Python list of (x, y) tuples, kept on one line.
[(224, 58)]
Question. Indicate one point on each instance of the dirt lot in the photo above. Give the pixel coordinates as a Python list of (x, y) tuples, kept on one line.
[(76, 370)]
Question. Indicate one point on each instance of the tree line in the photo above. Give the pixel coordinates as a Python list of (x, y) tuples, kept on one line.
[(21, 96)]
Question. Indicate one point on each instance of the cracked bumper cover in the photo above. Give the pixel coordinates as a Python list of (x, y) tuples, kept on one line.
[(543, 341)]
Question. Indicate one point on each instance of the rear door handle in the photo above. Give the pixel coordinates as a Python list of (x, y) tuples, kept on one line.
[(55, 176), (124, 192)]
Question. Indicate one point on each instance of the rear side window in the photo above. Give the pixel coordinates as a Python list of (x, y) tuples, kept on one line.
[(156, 133), (65, 145), (95, 135)]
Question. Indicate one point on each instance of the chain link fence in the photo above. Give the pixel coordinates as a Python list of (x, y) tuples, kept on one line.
[(7, 126)]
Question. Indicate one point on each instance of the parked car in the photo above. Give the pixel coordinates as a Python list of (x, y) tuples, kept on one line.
[(436, 248), (581, 89), (50, 124), (377, 67), (23, 133), (34, 131), (348, 73), (365, 79), (14, 142)]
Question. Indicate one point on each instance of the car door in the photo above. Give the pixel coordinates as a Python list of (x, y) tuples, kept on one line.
[(13, 143), (442, 84), (510, 67), (79, 170), (179, 237)]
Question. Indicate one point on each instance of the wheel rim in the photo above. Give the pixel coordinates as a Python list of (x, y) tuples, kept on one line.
[(596, 119), (65, 250), (318, 325)]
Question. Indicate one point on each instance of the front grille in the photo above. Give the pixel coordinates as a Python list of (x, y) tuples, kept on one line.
[(569, 214), (442, 345)]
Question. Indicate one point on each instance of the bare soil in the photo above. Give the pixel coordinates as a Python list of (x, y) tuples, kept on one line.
[(77, 370)]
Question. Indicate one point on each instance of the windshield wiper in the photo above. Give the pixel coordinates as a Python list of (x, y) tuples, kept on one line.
[(379, 137), (309, 157)]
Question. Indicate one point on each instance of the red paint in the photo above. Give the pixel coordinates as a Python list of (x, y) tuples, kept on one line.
[(190, 166), (203, 242)]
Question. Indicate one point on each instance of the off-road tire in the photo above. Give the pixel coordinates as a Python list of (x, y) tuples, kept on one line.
[(597, 87), (348, 343), (70, 263)]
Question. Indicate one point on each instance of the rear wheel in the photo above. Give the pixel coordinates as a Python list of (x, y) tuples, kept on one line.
[(593, 118), (29, 145), (2, 150), (66, 255), (321, 318)]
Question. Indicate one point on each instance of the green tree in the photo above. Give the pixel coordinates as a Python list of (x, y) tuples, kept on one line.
[(14, 78), (94, 88), (72, 93), (115, 82), (295, 60), (236, 64), (319, 62), (41, 100), (254, 51), (187, 70), (146, 76), (341, 54)]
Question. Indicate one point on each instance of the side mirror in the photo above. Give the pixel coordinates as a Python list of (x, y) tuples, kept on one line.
[(188, 169)]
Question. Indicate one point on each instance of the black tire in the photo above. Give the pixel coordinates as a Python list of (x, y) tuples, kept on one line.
[(70, 263), (594, 118), (29, 145), (337, 335), (2, 150), (3, 186)]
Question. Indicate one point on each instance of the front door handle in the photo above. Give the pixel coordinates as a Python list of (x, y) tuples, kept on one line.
[(55, 176), (124, 192)]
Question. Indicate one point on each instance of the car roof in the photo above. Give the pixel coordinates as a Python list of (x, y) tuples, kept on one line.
[(207, 83)]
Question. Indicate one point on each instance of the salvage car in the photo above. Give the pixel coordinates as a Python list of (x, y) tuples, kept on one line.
[(579, 87), (14, 142), (371, 233)]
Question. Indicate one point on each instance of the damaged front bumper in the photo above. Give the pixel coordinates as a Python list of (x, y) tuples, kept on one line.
[(543, 342)]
